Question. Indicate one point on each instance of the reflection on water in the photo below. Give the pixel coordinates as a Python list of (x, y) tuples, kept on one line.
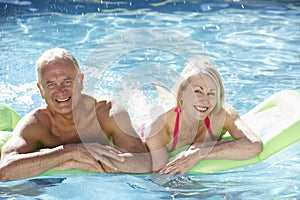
[(275, 177), (29, 188)]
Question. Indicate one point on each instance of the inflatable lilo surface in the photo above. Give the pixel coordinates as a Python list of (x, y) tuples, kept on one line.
[(8, 121), (276, 120)]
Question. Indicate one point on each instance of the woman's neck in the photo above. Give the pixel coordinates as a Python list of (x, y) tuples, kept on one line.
[(189, 121)]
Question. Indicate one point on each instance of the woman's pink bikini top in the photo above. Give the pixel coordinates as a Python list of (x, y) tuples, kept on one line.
[(176, 128)]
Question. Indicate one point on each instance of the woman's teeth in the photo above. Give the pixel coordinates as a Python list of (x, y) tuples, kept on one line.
[(201, 108)]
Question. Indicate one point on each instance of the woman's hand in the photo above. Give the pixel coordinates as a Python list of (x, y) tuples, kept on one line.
[(183, 162)]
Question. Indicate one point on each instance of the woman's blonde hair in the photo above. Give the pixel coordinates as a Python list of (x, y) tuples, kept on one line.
[(54, 55), (196, 66)]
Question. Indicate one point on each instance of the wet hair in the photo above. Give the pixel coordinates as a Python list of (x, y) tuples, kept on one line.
[(196, 66), (54, 55)]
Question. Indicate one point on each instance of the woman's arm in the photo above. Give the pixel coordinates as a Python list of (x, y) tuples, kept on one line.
[(157, 142), (246, 144), (116, 123)]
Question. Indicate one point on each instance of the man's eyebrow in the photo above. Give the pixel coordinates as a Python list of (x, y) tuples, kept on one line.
[(49, 81)]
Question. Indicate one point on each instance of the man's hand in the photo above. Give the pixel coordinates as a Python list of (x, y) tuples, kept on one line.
[(73, 164), (91, 156)]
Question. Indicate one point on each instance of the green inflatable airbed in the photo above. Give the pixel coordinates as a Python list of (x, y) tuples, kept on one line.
[(276, 120)]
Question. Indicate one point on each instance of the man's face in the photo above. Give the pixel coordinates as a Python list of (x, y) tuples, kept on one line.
[(60, 84)]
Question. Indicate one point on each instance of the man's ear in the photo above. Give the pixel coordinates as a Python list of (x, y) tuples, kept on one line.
[(41, 90)]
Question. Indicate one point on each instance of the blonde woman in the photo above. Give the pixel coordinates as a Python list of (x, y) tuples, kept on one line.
[(200, 119)]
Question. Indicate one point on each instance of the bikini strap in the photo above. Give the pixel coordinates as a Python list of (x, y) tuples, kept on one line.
[(207, 124), (141, 131), (176, 128)]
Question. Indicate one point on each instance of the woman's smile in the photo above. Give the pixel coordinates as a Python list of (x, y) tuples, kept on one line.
[(201, 109)]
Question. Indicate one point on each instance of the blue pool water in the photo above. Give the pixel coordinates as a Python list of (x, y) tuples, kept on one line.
[(128, 44)]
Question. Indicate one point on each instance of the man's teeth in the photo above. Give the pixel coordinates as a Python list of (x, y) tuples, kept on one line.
[(62, 100)]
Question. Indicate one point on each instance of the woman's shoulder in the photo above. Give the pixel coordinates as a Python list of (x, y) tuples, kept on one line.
[(230, 111), (103, 104), (168, 116), (164, 120)]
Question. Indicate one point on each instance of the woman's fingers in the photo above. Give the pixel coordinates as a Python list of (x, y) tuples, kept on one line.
[(167, 169), (107, 162), (99, 151), (106, 154), (113, 153), (176, 166)]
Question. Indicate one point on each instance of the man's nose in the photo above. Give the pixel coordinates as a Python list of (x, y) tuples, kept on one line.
[(60, 88)]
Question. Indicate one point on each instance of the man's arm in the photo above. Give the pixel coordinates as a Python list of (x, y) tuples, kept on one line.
[(19, 158), (14, 166)]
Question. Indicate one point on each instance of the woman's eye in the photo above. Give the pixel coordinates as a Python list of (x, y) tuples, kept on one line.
[(212, 94), (197, 91)]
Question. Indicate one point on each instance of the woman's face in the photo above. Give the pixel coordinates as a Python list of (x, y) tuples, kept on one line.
[(199, 97)]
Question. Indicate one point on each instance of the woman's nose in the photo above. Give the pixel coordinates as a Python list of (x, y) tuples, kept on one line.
[(205, 98)]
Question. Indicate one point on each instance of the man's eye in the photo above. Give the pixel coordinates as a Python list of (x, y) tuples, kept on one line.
[(68, 82), (50, 85)]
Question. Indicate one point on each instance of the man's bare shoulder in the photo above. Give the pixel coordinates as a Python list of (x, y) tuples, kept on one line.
[(27, 133), (42, 114), (35, 119)]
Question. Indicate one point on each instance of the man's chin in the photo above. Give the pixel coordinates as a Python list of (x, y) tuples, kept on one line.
[(64, 110)]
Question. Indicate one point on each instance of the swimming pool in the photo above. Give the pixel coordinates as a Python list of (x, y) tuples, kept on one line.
[(255, 45)]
